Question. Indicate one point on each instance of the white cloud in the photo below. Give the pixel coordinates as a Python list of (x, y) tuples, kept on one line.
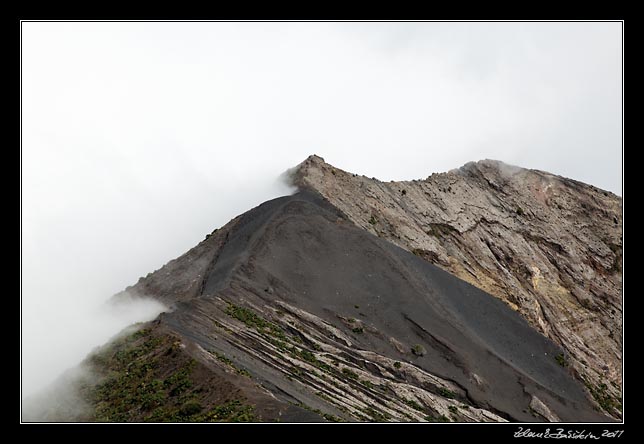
[(140, 138)]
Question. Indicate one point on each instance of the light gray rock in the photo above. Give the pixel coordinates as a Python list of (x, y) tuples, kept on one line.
[(550, 247)]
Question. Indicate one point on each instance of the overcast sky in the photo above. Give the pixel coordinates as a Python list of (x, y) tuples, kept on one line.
[(140, 138)]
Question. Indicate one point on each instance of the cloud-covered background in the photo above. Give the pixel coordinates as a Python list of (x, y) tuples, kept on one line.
[(140, 138)]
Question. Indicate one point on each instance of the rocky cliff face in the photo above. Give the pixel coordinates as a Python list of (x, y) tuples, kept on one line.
[(548, 246)]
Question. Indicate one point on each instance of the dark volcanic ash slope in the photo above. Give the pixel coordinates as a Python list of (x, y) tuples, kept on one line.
[(548, 246), (323, 315)]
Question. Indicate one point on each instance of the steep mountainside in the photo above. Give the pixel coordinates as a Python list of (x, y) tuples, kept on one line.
[(294, 312), (323, 315), (548, 246)]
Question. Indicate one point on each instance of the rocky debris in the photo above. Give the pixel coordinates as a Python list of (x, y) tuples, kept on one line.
[(548, 246)]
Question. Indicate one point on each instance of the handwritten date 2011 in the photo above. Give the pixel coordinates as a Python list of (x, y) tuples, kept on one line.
[(566, 434)]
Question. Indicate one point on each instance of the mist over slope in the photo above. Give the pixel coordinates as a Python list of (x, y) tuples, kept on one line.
[(138, 138), (293, 311)]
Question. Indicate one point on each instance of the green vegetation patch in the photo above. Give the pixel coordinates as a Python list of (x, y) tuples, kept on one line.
[(350, 373), (252, 320), (327, 416), (561, 360), (332, 418), (145, 378), (418, 350), (441, 418), (230, 363), (375, 415), (605, 400), (231, 411), (414, 405), (445, 393)]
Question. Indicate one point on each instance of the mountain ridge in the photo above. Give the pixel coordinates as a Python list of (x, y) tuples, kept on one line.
[(262, 287), (305, 308), (549, 246)]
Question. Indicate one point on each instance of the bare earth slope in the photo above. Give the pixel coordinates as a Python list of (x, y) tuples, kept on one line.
[(548, 246), (293, 311), (324, 315)]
